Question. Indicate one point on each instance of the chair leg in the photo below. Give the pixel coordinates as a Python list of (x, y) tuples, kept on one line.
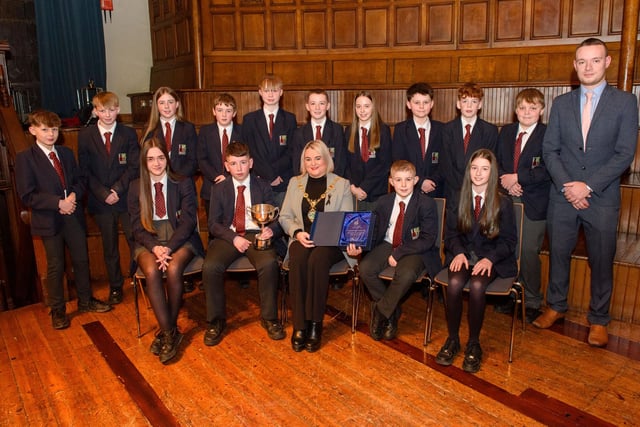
[(516, 294), (428, 321), (284, 288), (355, 299), (136, 284)]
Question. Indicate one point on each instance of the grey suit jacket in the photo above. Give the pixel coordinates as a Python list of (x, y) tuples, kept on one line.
[(610, 147)]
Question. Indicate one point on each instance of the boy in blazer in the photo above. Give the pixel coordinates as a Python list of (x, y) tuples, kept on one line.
[(233, 231), (419, 140), (320, 127), (212, 142), (268, 132), (404, 237), (589, 143), (49, 183), (463, 136), (524, 176), (109, 156)]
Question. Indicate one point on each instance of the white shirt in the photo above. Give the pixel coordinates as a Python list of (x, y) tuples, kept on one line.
[(388, 237), (314, 125), (248, 219), (526, 136), (103, 130), (427, 130)]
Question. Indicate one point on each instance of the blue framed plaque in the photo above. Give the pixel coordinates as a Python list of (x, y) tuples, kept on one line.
[(342, 228)]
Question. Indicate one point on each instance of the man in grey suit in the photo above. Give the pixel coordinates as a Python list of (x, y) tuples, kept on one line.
[(589, 143)]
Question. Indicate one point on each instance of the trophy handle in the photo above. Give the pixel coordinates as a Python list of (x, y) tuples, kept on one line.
[(276, 213)]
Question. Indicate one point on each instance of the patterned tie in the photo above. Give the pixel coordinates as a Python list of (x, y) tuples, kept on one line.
[(423, 142), (397, 230), (270, 126), (478, 207), (517, 150), (364, 145), (318, 133), (225, 144), (58, 167), (167, 136), (467, 137), (107, 142), (161, 207), (586, 118), (238, 218)]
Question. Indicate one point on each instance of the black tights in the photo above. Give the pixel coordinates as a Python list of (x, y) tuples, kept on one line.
[(165, 304), (477, 301)]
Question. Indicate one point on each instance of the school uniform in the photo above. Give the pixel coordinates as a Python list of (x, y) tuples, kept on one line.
[(372, 175), (333, 138), (183, 152), (211, 157), (416, 252), (406, 146)]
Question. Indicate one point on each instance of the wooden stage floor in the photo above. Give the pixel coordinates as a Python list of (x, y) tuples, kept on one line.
[(99, 373)]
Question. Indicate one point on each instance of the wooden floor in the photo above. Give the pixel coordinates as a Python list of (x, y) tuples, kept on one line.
[(98, 372)]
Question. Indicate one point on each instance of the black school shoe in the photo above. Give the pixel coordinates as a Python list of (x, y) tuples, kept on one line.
[(94, 305), (156, 344), (448, 352), (273, 328), (170, 342), (472, 358), (59, 319), (115, 296)]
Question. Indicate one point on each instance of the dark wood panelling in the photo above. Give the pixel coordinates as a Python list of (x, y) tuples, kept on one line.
[(510, 20), (303, 74), (227, 74), (313, 28), (474, 22), (253, 31), (284, 34), (441, 23), (433, 70), (408, 25), (376, 22), (583, 24), (345, 28), (183, 38), (488, 69), (546, 19), (223, 32), (615, 17), (355, 72)]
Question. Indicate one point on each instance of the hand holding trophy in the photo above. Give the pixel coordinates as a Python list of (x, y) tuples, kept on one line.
[(263, 214)]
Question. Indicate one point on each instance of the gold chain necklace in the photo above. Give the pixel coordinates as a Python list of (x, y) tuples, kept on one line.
[(314, 202)]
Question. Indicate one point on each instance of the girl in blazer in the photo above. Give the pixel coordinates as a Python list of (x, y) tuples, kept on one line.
[(163, 213), (317, 189), (480, 241)]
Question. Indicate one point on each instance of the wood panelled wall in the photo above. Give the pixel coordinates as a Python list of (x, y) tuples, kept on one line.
[(373, 43)]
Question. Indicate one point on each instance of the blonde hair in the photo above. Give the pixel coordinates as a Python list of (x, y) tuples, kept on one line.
[(374, 128), (321, 148), (154, 117)]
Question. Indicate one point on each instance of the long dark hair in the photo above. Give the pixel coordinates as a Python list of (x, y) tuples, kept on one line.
[(489, 220), (146, 199)]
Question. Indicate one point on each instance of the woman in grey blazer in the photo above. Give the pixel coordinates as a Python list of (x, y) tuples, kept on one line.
[(317, 189)]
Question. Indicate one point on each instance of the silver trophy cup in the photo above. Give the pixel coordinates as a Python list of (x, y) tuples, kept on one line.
[(263, 214)]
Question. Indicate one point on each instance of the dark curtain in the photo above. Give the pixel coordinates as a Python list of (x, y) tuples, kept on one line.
[(70, 51)]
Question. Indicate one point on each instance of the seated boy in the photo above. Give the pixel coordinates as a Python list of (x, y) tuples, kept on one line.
[(419, 140), (213, 140), (524, 176), (320, 127), (48, 182), (233, 231), (462, 136), (268, 133), (404, 237), (109, 157)]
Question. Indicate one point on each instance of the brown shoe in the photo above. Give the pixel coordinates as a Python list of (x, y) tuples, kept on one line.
[(548, 318), (598, 336)]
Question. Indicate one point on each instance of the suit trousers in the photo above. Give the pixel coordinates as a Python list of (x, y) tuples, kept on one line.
[(108, 225), (309, 281), (599, 224), (220, 255), (407, 271), (74, 237)]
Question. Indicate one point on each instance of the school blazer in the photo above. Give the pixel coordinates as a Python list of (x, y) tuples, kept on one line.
[(500, 250), (183, 147), (223, 206), (338, 199), (103, 171), (271, 157), (210, 158), (40, 188), (419, 229), (406, 146), (181, 213), (373, 175), (532, 173), (332, 136), (611, 144)]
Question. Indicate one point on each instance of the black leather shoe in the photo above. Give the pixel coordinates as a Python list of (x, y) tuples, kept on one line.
[(188, 286), (505, 306), (472, 358), (390, 327), (274, 329), (298, 339), (59, 319), (314, 337), (377, 321), (115, 296), (94, 305), (448, 352), (213, 334), (170, 342), (531, 314), (156, 344)]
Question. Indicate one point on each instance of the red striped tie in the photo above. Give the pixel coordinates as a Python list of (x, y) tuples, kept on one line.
[(167, 136), (364, 145), (58, 167), (161, 207), (397, 230)]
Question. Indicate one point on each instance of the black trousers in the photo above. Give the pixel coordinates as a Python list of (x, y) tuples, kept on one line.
[(108, 225)]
